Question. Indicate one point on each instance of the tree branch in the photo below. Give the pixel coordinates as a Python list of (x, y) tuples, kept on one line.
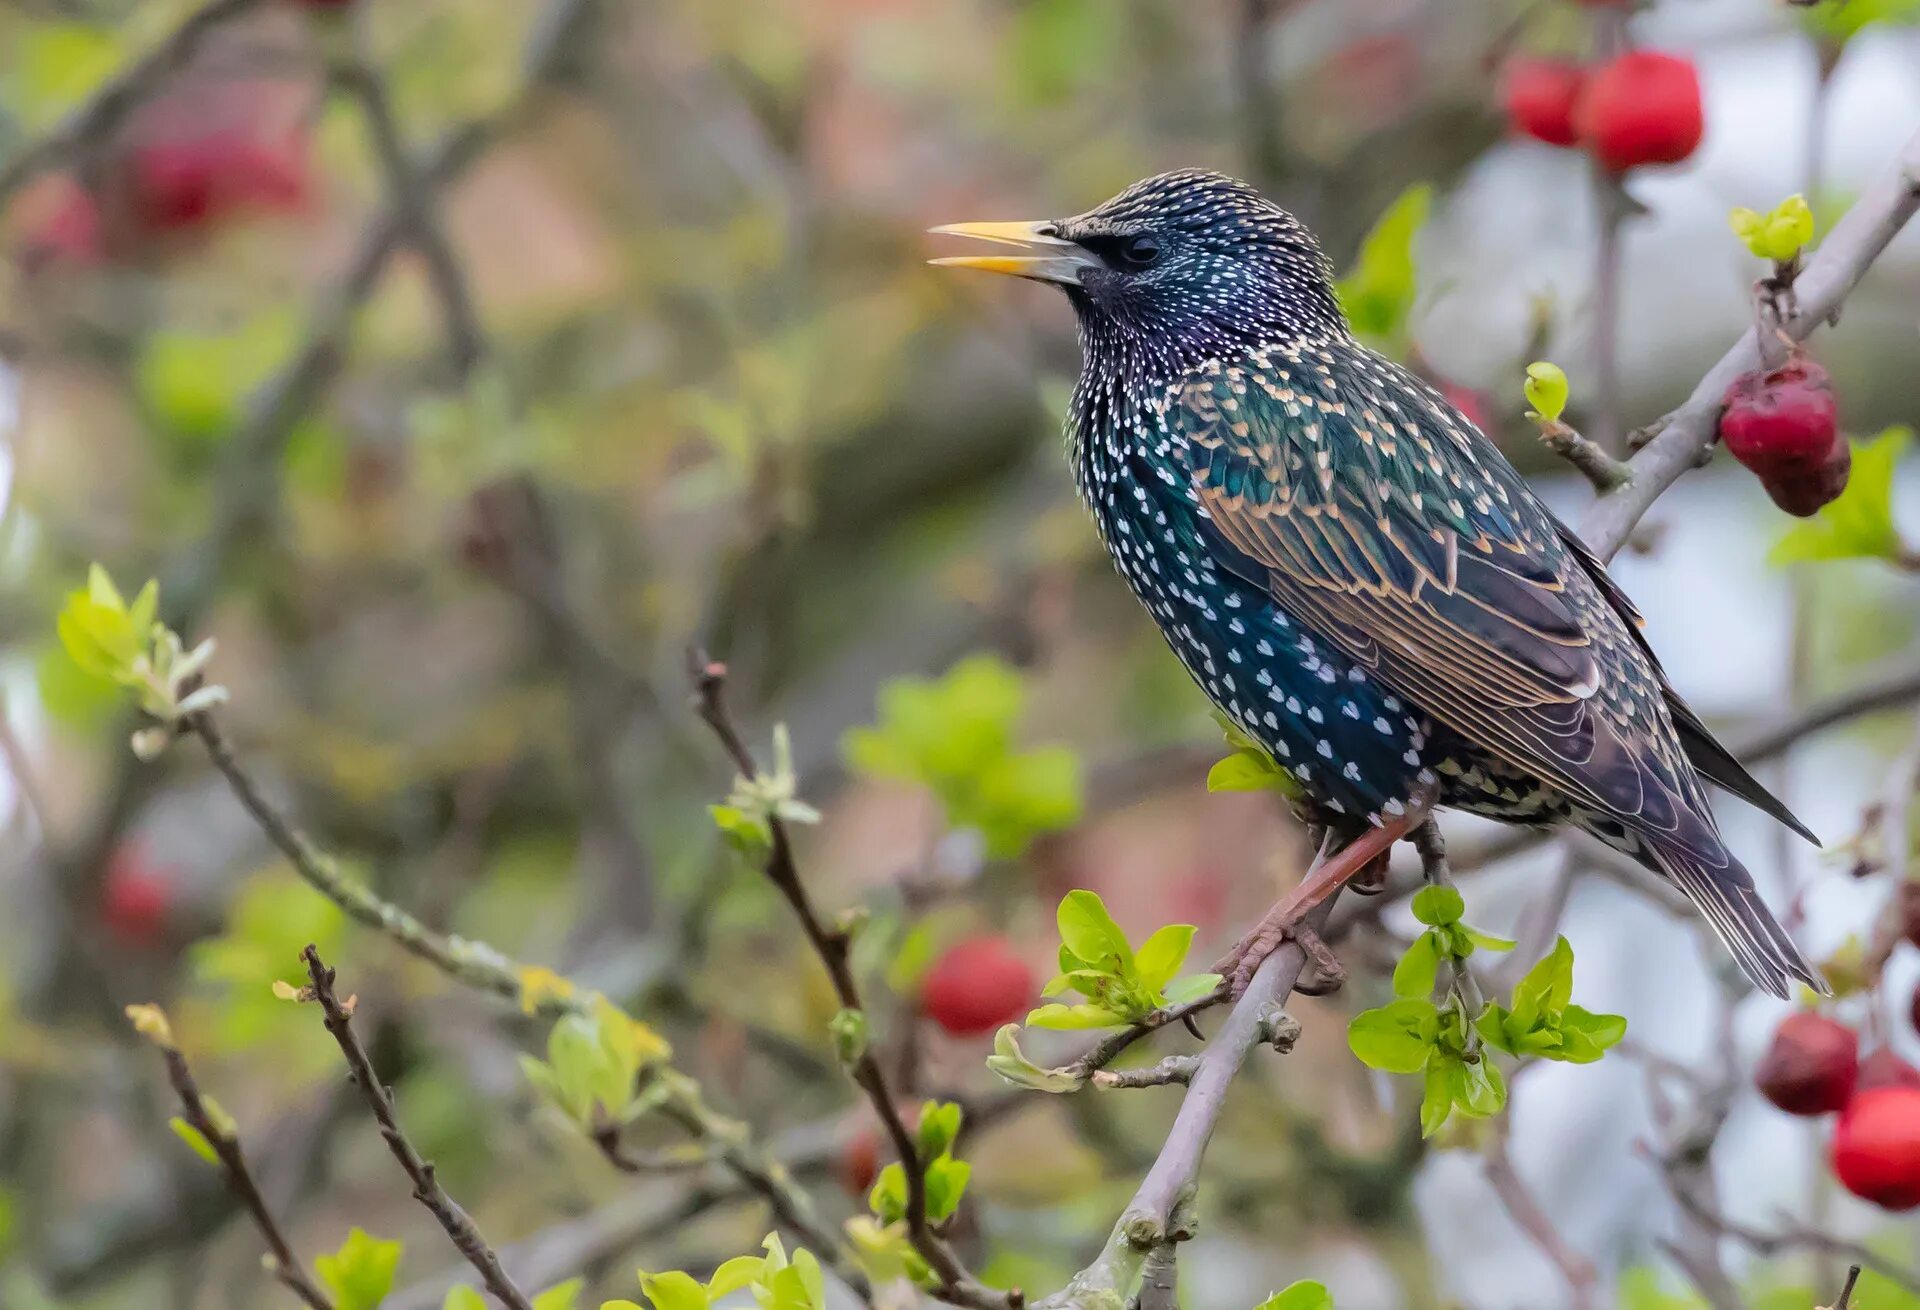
[(832, 945), (281, 1262), (1525, 1210), (1686, 434), (458, 1224)]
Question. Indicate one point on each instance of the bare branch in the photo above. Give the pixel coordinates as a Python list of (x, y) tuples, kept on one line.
[(833, 945), (1686, 434), (459, 1226), (1174, 1070), (284, 1265), (1525, 1210), (1588, 457)]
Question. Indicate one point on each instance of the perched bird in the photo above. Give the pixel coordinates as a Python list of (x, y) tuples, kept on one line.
[(1352, 572)]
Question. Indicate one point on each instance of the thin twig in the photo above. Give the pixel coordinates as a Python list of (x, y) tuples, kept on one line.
[(281, 1262), (1527, 1213), (1108, 1049), (833, 945), (1175, 1070), (459, 1226), (1589, 458)]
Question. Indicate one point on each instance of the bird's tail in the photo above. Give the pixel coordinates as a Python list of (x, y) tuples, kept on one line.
[(1725, 896)]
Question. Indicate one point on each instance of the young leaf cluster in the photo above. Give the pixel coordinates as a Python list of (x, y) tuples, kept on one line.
[(776, 1280), (1450, 1042), (126, 644), (1121, 984), (881, 1239), (1777, 235), (746, 817), (955, 736), (593, 1065)]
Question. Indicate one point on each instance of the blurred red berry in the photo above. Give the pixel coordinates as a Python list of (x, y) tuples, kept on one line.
[(60, 224), (1469, 402), (1540, 96), (179, 183), (1913, 1009), (1785, 426), (1811, 1066), (137, 898), (1642, 108), (1882, 1068), (976, 986), (859, 1161), (1876, 1147)]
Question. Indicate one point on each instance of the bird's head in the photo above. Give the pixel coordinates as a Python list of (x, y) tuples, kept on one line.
[(1190, 263)]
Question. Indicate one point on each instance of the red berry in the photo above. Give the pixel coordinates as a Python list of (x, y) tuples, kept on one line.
[(976, 986), (1472, 404), (1883, 1068), (1876, 1147), (859, 1162), (1811, 1066), (1540, 96), (137, 898), (1643, 108), (178, 183), (1785, 426)]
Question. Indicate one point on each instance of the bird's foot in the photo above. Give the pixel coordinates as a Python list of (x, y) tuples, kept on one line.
[(1282, 924), (1372, 880)]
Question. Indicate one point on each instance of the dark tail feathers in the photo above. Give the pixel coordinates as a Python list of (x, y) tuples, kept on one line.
[(1726, 898)]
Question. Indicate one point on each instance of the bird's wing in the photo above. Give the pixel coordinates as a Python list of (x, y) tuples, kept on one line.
[(1714, 761), (1376, 514)]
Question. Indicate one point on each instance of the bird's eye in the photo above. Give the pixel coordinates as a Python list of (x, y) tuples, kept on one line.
[(1139, 251)]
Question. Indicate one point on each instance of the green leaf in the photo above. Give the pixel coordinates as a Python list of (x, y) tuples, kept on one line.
[(1396, 1038), (1858, 523), (1161, 955), (1436, 1098), (1248, 771), (1585, 1036), (1379, 292), (1419, 968), (1299, 1296), (888, 1199), (939, 1128), (1545, 390), (1191, 988), (1479, 1088), (1778, 234), (1070, 1018), (1547, 987), (735, 1274), (1487, 941), (463, 1298), (946, 1184), (360, 1273), (195, 1139), (673, 1290), (1090, 933), (561, 1296), (1438, 905), (1012, 1064)]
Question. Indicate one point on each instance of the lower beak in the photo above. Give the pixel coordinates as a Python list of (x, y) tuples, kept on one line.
[(1062, 261)]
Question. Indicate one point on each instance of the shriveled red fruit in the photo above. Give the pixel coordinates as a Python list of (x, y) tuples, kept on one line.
[(1642, 108), (1882, 1068), (183, 181), (859, 1161), (1785, 425), (137, 898), (1876, 1147), (1540, 96), (976, 986), (1811, 1066)]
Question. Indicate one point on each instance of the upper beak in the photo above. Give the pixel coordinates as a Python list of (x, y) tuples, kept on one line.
[(1061, 263)]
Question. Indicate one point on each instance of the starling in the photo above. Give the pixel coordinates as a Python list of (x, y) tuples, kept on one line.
[(1353, 573)]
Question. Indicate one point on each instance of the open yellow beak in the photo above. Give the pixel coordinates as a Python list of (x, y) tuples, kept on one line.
[(1061, 263)]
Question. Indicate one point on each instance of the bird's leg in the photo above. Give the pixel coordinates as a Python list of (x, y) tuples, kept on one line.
[(1329, 871)]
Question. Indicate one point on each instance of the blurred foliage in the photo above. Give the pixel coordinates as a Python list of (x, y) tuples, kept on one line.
[(1859, 523)]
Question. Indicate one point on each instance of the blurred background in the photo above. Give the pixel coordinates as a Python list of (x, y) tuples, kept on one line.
[(459, 364)]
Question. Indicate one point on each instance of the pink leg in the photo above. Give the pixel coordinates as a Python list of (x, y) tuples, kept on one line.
[(1328, 873)]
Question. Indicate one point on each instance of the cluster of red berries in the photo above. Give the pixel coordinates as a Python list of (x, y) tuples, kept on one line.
[(1783, 424), (1813, 1067), (1640, 108)]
